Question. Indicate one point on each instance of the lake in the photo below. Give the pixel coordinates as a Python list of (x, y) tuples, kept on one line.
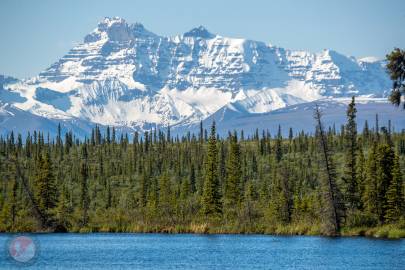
[(187, 251)]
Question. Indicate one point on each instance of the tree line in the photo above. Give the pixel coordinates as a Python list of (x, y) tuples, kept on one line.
[(264, 183)]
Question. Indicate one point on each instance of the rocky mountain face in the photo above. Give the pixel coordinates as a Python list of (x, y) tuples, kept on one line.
[(126, 76)]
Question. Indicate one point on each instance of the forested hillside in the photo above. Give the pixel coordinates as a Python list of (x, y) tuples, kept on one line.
[(331, 183)]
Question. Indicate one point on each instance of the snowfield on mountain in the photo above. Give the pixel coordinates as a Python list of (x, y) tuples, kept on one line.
[(124, 75)]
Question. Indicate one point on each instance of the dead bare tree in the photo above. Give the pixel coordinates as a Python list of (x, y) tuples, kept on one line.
[(333, 207)]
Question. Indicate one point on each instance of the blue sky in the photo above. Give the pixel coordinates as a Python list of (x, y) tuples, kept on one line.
[(34, 34)]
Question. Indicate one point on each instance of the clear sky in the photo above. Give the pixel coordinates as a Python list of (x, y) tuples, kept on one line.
[(34, 34)]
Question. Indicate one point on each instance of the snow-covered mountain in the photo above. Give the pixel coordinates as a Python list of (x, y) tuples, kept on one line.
[(125, 75)]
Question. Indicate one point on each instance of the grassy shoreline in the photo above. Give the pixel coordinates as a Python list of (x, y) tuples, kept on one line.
[(391, 231)]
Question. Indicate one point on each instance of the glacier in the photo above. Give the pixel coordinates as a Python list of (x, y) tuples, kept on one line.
[(126, 76)]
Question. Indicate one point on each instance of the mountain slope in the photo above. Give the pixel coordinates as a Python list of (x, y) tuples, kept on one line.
[(300, 117), (125, 75), (16, 120)]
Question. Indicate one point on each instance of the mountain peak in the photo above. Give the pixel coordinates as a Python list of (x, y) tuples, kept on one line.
[(200, 32), (109, 21), (138, 30), (125, 75), (117, 29)]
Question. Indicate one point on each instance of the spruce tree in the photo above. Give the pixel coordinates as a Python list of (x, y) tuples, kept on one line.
[(63, 211), (395, 66), (233, 174), (45, 186), (84, 193), (385, 161), (211, 197), (143, 190), (165, 197), (350, 174), (361, 175), (281, 196), (366, 132), (393, 207), (278, 151), (370, 188), (185, 189)]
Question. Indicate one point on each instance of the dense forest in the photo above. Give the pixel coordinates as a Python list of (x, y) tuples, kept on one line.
[(334, 181)]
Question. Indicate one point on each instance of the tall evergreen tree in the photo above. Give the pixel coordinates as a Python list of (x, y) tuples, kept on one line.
[(366, 131), (233, 174), (143, 191), (84, 194), (361, 175), (396, 69), (281, 203), (385, 161), (63, 211), (394, 203), (165, 196), (352, 195), (278, 151), (211, 197), (370, 190), (192, 179), (45, 186)]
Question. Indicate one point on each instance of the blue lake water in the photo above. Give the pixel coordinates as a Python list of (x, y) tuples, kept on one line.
[(186, 251)]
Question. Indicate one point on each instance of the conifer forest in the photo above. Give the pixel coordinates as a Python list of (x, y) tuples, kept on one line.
[(344, 180)]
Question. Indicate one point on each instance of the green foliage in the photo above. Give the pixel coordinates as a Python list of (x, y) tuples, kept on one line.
[(211, 198), (84, 193), (370, 190), (394, 203), (280, 206), (63, 211), (233, 175), (385, 161), (396, 69), (350, 176), (45, 185), (206, 184)]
